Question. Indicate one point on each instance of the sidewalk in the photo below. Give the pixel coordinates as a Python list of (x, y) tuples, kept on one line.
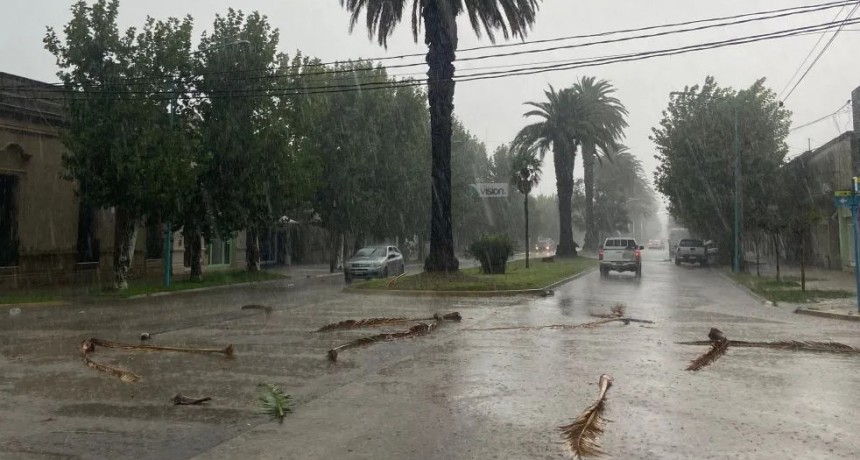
[(819, 279)]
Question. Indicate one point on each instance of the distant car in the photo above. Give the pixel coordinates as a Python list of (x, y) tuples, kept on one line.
[(374, 262), (545, 245), (655, 244)]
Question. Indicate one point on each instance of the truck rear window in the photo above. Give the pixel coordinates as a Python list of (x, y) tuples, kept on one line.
[(620, 243), (690, 243)]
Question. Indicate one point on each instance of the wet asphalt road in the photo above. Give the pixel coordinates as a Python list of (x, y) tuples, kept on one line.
[(461, 392)]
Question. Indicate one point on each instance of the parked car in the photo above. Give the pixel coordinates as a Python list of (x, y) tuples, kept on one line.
[(621, 254), (545, 245), (374, 262), (691, 250), (655, 244)]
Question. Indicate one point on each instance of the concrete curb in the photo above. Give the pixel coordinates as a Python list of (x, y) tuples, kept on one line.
[(208, 288), (49, 303), (508, 293), (745, 288), (827, 314)]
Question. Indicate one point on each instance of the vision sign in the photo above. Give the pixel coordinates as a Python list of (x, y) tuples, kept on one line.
[(492, 190)]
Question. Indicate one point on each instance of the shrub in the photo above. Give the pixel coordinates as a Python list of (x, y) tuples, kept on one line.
[(493, 252)]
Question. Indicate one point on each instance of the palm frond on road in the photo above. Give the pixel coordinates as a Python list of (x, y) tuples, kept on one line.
[(583, 434)]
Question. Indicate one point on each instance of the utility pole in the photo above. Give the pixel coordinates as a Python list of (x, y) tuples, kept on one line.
[(736, 266), (168, 233)]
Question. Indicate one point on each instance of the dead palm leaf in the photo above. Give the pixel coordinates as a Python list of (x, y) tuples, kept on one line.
[(617, 311), (377, 322), (182, 400), (719, 346), (588, 325), (88, 347), (226, 351), (274, 402), (794, 345), (416, 330), (583, 434)]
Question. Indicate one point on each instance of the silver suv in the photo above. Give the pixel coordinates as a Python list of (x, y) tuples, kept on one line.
[(374, 262)]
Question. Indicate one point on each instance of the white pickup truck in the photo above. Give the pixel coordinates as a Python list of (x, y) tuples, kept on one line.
[(621, 254), (691, 250)]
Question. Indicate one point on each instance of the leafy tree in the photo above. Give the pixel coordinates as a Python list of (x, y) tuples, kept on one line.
[(250, 165), (439, 19), (695, 144), (125, 151), (525, 175), (608, 120)]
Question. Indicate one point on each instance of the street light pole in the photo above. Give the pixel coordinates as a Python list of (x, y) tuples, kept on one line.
[(736, 267)]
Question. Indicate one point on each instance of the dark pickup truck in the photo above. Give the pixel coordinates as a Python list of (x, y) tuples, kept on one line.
[(691, 251)]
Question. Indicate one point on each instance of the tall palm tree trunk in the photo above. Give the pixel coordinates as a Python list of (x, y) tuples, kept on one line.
[(526, 210), (440, 36), (564, 162), (588, 156)]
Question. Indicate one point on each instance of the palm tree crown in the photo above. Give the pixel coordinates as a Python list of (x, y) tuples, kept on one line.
[(512, 18)]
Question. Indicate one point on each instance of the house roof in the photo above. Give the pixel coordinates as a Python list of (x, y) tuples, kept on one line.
[(29, 99)]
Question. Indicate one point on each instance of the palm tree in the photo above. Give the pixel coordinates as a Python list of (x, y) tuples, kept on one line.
[(439, 18), (525, 175), (566, 119), (609, 113)]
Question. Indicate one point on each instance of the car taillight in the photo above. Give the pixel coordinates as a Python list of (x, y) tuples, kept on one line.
[(600, 254), (637, 253)]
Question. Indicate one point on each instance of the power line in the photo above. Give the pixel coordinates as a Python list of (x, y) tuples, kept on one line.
[(307, 90), (815, 7), (741, 19), (821, 53), (803, 63), (842, 108)]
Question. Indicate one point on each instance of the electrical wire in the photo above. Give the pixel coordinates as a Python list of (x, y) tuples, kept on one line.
[(741, 19), (821, 53), (841, 109), (307, 90)]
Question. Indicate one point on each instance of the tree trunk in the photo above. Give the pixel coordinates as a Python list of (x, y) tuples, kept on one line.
[(776, 252), (526, 211), (564, 162), (195, 246), (757, 259), (252, 249), (335, 247), (440, 36), (802, 262), (125, 237), (588, 157)]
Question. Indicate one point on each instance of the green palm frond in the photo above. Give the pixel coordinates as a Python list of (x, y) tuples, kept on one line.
[(274, 402)]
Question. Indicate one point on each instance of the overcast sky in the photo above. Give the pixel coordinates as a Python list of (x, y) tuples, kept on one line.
[(492, 109)]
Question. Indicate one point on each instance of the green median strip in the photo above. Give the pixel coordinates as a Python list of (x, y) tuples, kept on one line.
[(786, 290), (211, 279), (517, 277)]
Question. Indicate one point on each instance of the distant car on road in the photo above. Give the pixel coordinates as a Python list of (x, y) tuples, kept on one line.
[(374, 262), (655, 244), (621, 254), (545, 245)]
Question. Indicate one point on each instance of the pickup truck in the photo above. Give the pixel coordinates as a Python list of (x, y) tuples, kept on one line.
[(690, 250), (621, 254)]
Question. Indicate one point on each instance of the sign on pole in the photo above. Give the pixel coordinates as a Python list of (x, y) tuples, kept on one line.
[(492, 190)]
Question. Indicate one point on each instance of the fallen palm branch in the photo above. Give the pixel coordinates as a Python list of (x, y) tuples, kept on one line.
[(591, 324), (393, 281), (267, 309), (617, 311), (794, 345), (719, 346), (182, 400), (414, 331), (583, 434), (226, 351), (377, 322), (274, 401), (87, 347)]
